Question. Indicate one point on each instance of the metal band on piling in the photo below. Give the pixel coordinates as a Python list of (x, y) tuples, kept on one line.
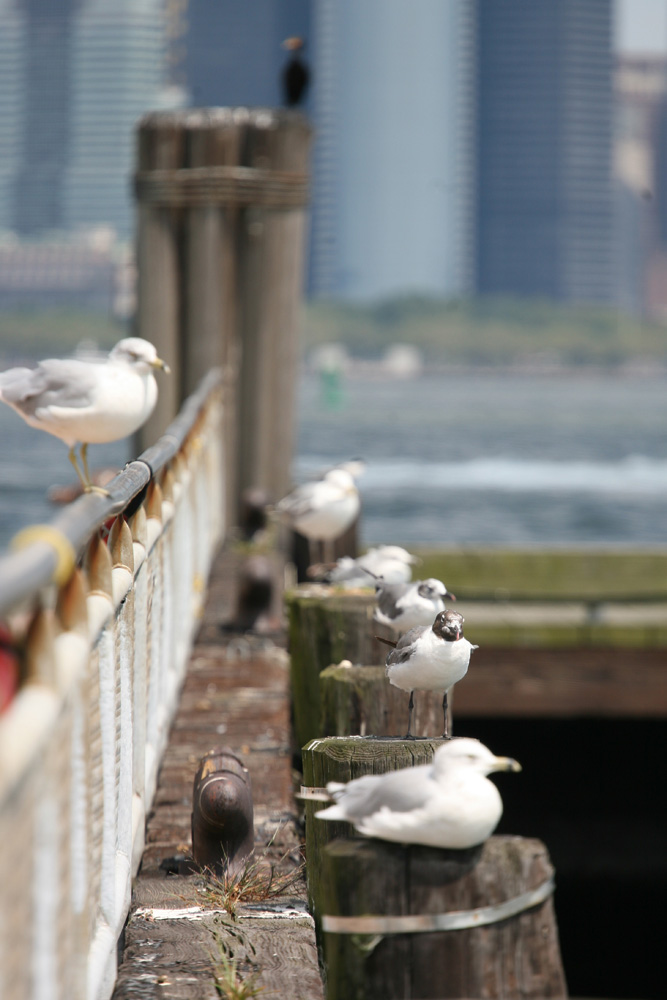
[(242, 186), (60, 543), (428, 922), (313, 794)]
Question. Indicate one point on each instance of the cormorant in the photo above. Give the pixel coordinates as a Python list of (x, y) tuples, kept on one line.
[(295, 75)]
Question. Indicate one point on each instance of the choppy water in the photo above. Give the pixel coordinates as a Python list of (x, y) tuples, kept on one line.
[(462, 459), (498, 459)]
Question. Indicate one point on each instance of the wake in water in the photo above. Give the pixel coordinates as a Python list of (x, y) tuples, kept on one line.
[(634, 474)]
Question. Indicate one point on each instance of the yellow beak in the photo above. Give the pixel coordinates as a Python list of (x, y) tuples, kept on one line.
[(507, 764)]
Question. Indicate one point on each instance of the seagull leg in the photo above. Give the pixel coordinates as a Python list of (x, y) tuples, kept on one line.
[(85, 483), (89, 486), (411, 706), (445, 734)]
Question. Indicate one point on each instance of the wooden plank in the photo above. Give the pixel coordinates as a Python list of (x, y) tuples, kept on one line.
[(588, 574), (518, 957), (591, 681), (173, 956)]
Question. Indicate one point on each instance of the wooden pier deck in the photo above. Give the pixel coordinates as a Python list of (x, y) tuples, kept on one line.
[(236, 693)]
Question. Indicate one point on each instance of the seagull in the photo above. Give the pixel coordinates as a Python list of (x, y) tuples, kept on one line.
[(449, 803), (322, 510), (402, 606), (87, 402), (430, 659), (388, 563)]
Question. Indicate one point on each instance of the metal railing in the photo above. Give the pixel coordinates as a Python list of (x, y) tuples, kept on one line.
[(103, 603)]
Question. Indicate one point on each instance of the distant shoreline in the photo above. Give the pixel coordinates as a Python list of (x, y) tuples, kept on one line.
[(361, 368)]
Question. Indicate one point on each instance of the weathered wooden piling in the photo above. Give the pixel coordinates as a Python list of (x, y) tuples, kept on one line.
[(361, 701), (409, 921), (326, 626), (221, 198), (342, 759)]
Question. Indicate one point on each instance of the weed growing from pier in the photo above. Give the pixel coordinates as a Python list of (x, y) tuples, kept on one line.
[(229, 982), (258, 881)]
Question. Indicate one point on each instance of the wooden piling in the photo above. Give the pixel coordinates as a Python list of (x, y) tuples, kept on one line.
[(272, 235), (160, 150), (514, 955), (326, 626), (221, 233), (342, 759), (361, 701)]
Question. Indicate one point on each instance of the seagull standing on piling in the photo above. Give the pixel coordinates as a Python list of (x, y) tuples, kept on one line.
[(430, 659), (402, 606), (323, 510), (388, 563), (87, 402), (449, 803)]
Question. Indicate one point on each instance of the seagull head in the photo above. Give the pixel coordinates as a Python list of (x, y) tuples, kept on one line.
[(433, 589), (342, 479), (448, 625), (395, 552), (472, 755), (138, 354)]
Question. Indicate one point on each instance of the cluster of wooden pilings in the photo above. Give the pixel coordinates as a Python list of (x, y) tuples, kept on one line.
[(221, 227), (393, 920)]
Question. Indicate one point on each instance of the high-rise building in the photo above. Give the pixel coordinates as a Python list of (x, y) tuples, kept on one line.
[(118, 71), (393, 157), (640, 179), (75, 76), (544, 205), (12, 99)]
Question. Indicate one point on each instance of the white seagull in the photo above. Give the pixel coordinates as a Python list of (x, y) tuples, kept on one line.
[(430, 659), (402, 606), (449, 803), (388, 563), (87, 402), (322, 510)]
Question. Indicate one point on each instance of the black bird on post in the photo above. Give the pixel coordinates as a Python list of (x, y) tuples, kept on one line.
[(295, 75)]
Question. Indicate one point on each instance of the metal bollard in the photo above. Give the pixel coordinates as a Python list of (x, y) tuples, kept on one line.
[(222, 812)]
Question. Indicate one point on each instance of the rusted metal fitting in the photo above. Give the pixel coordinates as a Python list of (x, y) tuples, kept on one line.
[(222, 812)]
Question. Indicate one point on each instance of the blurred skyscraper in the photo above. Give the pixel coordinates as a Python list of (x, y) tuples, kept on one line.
[(393, 179), (544, 206), (76, 75)]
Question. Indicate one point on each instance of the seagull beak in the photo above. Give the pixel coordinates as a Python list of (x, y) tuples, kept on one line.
[(452, 597), (507, 764), (162, 365)]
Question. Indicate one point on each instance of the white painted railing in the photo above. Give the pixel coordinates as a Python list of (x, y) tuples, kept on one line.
[(103, 626)]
